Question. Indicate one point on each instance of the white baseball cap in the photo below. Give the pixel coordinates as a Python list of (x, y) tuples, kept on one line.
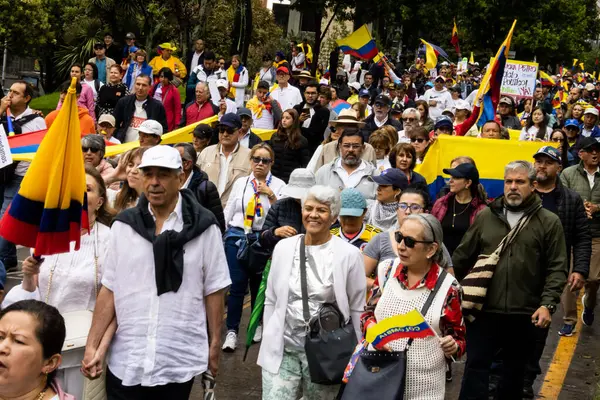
[(462, 105), (161, 156), (107, 118), (151, 127), (222, 83), (591, 110)]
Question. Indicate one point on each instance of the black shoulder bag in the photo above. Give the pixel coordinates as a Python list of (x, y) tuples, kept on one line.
[(330, 342), (382, 374)]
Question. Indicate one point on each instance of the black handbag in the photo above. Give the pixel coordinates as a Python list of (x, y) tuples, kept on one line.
[(382, 374), (329, 340)]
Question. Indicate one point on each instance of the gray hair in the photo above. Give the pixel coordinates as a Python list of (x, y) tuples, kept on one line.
[(411, 110), (200, 84), (326, 195), (524, 166), (95, 142), (432, 231), (189, 153)]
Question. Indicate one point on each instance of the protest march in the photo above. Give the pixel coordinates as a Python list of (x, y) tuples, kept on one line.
[(178, 226)]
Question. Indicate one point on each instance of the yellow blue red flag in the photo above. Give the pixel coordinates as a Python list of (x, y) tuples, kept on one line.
[(409, 325), (359, 44), (51, 208), (489, 91), (431, 53)]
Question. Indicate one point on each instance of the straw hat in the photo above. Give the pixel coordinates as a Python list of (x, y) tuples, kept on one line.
[(303, 74), (347, 117)]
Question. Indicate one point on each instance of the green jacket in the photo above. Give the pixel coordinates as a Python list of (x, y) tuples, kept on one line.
[(530, 273), (575, 178)]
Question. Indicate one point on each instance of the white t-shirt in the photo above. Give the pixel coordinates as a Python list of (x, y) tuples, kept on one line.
[(443, 100), (287, 97), (139, 116), (264, 122), (36, 124), (114, 140)]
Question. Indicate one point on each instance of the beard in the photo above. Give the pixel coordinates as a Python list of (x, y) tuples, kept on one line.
[(514, 200), (351, 160)]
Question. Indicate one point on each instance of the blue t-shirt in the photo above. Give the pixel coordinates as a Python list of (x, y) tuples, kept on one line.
[(101, 64)]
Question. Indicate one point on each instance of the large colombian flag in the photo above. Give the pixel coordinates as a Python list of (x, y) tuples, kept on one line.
[(489, 91), (409, 325), (359, 44), (51, 208)]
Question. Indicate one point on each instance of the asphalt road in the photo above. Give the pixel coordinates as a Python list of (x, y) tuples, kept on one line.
[(571, 369)]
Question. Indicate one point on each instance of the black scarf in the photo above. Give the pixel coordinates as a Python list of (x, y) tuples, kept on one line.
[(168, 246)]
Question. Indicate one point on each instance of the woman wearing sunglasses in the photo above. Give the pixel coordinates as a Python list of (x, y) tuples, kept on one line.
[(245, 213), (93, 148), (405, 285), (290, 147), (384, 247)]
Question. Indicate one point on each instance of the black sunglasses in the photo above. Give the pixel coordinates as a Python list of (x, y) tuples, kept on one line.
[(418, 140), (226, 129), (409, 241), (259, 160), (92, 149)]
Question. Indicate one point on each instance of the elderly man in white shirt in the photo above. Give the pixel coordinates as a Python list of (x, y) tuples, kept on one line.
[(164, 282), (287, 95)]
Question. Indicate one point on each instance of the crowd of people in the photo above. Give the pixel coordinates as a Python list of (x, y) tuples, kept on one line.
[(332, 199)]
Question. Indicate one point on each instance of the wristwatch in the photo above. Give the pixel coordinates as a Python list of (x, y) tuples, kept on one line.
[(550, 308)]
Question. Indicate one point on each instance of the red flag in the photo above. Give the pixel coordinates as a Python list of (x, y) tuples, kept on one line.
[(454, 39)]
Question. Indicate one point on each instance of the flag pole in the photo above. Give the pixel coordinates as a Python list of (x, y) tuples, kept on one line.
[(434, 332)]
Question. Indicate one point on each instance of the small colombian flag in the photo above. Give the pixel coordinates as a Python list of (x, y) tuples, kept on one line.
[(409, 325)]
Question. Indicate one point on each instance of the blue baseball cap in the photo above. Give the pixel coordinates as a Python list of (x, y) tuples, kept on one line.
[(549, 151), (353, 203), (443, 121), (364, 93), (231, 120), (572, 122), (391, 176)]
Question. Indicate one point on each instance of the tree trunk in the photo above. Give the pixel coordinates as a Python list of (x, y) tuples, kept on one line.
[(318, 15), (242, 29)]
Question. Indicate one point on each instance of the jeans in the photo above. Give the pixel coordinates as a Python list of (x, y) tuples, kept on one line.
[(240, 279), (172, 391), (8, 251), (515, 336)]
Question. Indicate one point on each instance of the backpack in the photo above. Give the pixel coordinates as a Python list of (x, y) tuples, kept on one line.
[(6, 173)]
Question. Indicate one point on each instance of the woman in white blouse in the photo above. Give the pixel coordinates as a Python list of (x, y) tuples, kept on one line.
[(237, 75), (334, 274), (536, 127), (245, 213), (70, 281)]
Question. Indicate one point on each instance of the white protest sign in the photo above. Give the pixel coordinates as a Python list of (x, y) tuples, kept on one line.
[(5, 154), (519, 79), (215, 96)]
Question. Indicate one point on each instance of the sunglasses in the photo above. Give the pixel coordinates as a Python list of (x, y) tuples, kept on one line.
[(227, 130), (556, 139), (413, 207), (418, 140), (409, 241), (259, 160), (409, 119), (92, 149)]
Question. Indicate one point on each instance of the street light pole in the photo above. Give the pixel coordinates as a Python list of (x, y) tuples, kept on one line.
[(4, 62)]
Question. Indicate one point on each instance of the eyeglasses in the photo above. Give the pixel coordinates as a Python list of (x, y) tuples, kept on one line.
[(409, 241), (413, 207), (351, 146), (258, 160), (227, 130), (418, 140), (556, 139), (92, 149), (409, 119), (310, 93)]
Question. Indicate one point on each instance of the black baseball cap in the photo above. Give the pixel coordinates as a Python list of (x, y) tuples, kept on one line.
[(203, 131), (393, 177), (466, 170), (383, 99), (588, 142), (244, 112)]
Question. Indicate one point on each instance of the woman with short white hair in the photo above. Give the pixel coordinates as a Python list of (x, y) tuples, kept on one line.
[(334, 274)]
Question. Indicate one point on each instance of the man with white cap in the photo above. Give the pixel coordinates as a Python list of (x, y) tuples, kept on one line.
[(180, 277), (225, 104), (150, 133), (590, 123)]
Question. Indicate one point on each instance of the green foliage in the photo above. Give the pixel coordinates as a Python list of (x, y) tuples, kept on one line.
[(24, 23), (266, 37), (46, 103)]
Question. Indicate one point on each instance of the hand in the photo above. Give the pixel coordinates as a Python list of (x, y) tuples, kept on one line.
[(576, 281), (285, 232), (541, 318), (31, 267), (92, 363), (590, 209), (120, 173), (214, 353), (432, 103), (222, 106), (267, 100), (303, 117), (4, 104), (264, 189), (38, 112), (449, 346)]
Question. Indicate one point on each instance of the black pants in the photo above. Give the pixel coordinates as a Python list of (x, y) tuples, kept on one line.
[(514, 335), (172, 391)]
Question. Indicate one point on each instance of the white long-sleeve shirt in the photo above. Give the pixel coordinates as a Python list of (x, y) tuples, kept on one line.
[(443, 100)]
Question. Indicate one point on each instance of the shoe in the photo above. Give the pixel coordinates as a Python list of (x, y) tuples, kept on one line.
[(528, 390), (588, 313), (566, 330), (258, 334), (230, 342)]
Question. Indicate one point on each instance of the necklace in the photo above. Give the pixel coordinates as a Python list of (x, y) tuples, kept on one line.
[(454, 214), (41, 395)]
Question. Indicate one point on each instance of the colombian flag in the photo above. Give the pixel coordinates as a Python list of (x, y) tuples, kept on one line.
[(409, 325), (546, 79), (431, 52), (489, 92), (454, 39), (359, 44), (51, 208)]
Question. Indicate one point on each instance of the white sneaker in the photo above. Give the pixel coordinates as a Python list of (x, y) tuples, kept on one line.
[(258, 334), (230, 342)]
